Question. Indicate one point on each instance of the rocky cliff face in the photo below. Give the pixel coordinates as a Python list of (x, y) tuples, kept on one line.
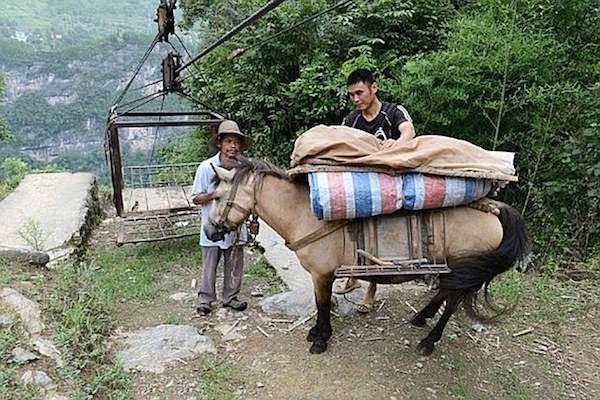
[(57, 103)]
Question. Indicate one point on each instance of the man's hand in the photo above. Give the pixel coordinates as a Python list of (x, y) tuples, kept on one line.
[(202, 198), (486, 205)]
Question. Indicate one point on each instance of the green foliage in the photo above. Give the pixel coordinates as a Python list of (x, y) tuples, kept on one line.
[(12, 171), (33, 234), (507, 80), (73, 19), (297, 81), (513, 76), (4, 132)]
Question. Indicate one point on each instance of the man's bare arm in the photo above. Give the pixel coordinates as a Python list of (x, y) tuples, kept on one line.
[(407, 131), (202, 198)]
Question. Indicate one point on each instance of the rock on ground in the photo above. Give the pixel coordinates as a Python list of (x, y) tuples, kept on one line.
[(153, 348), (29, 311)]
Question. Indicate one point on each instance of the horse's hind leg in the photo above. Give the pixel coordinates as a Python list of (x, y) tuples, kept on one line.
[(426, 345), (420, 318), (321, 332)]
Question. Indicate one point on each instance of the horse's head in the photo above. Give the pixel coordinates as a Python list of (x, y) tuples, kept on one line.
[(233, 201)]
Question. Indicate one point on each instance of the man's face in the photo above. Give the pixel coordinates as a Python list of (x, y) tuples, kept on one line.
[(362, 95), (230, 145)]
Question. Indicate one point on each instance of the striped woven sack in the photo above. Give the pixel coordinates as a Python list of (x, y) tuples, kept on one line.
[(348, 195), (431, 191)]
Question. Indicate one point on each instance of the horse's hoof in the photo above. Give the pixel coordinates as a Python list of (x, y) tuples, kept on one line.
[(418, 322), (318, 347), (312, 335), (424, 349)]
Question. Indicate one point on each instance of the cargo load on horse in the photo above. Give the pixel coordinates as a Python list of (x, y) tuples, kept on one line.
[(466, 246)]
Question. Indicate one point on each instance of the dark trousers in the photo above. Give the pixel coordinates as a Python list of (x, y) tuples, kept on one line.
[(233, 265)]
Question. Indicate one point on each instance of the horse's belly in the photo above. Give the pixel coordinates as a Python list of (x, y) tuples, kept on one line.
[(468, 230)]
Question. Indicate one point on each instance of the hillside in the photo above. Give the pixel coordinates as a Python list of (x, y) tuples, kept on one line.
[(63, 67), (71, 20)]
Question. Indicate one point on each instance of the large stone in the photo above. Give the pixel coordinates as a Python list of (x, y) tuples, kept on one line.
[(153, 348), (294, 303), (22, 356), (38, 378), (53, 208), (48, 349), (284, 260), (29, 311)]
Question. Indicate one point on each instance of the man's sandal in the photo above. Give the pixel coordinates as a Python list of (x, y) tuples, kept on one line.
[(237, 305), (364, 308), (203, 309)]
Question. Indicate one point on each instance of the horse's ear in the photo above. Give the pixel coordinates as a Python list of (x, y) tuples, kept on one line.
[(222, 173)]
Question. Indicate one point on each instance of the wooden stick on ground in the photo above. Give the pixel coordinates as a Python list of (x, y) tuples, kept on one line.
[(302, 321), (231, 327), (262, 331), (523, 332), (411, 307)]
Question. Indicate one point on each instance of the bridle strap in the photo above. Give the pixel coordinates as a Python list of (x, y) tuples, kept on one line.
[(231, 204), (323, 231)]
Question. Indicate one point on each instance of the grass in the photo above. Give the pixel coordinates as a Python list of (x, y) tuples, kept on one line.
[(10, 386), (546, 298), (220, 381), (261, 269), (80, 299)]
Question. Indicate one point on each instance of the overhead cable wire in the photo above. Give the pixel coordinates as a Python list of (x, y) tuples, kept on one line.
[(239, 52), (140, 99), (138, 68), (201, 78), (156, 95), (162, 104), (146, 85), (248, 21)]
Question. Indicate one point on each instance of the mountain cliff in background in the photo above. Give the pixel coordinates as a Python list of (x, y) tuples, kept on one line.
[(63, 65)]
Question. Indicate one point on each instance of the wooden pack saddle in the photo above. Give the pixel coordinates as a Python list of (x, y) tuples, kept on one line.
[(401, 243)]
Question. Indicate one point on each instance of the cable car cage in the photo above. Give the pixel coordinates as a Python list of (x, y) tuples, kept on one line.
[(154, 201)]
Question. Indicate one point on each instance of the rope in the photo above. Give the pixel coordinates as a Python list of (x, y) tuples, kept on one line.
[(140, 98)]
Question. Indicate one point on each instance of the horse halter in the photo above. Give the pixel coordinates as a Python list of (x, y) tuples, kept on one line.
[(221, 224)]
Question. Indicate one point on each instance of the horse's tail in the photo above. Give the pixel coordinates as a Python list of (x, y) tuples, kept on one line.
[(471, 272)]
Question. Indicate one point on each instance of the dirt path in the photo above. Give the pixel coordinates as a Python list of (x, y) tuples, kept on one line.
[(373, 356)]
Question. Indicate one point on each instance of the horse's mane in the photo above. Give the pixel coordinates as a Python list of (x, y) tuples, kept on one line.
[(247, 166)]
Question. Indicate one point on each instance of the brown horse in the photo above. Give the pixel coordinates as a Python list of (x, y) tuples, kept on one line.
[(478, 246)]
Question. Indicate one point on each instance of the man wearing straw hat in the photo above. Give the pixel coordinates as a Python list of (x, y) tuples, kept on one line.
[(228, 142)]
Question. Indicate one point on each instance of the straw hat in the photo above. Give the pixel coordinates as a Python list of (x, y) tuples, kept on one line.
[(229, 127)]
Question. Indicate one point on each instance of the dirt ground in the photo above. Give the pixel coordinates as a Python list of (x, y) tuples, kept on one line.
[(369, 357)]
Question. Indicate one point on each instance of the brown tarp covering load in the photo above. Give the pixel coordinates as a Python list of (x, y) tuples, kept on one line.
[(343, 146)]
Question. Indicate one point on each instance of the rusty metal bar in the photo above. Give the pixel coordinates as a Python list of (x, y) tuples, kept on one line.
[(116, 167), (163, 113), (148, 124)]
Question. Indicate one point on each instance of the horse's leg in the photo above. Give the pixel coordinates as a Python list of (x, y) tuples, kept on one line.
[(426, 345), (321, 332), (420, 318)]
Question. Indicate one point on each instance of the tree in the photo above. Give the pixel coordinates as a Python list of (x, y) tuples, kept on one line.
[(509, 79), (297, 80), (4, 132)]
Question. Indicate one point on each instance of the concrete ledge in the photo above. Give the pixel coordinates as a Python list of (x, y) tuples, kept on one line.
[(24, 255)]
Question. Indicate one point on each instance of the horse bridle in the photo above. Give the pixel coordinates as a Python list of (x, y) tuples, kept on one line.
[(221, 224)]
